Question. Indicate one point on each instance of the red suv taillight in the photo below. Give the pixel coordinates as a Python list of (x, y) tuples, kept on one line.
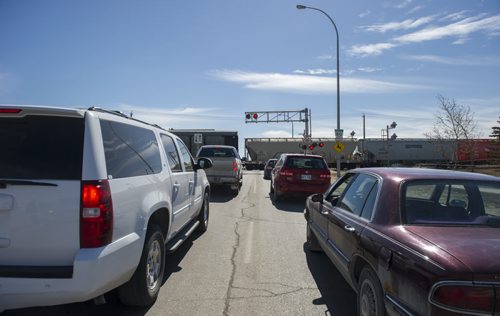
[(96, 214), (235, 166), (478, 299), (286, 172), (326, 175)]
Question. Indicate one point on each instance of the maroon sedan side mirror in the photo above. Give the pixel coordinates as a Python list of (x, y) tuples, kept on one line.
[(318, 197)]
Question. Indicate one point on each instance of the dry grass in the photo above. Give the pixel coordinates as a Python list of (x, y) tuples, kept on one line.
[(491, 170)]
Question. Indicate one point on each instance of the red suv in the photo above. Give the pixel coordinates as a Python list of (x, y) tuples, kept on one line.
[(299, 174)]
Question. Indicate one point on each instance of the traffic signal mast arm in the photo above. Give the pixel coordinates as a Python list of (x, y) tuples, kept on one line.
[(276, 116)]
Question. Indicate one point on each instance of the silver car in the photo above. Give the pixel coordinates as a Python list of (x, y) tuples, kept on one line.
[(268, 168)]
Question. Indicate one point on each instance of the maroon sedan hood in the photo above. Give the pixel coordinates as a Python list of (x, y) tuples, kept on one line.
[(476, 247)]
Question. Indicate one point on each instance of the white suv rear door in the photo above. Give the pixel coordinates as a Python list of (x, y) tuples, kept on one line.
[(195, 185), (40, 187), (181, 201)]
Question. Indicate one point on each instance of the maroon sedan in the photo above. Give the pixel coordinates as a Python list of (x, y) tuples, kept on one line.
[(299, 174), (412, 241)]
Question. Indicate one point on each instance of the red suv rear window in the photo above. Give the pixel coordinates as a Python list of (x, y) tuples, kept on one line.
[(315, 163)]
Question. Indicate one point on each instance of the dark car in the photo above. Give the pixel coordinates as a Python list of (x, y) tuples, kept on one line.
[(268, 168), (299, 174), (412, 241)]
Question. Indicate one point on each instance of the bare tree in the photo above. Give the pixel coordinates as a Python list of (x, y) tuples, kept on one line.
[(494, 148), (495, 131), (454, 125)]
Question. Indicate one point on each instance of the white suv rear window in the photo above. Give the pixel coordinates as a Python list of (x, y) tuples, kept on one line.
[(41, 147)]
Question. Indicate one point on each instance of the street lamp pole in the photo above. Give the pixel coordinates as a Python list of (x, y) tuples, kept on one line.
[(338, 132)]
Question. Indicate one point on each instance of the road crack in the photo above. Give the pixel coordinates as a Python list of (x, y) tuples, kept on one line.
[(230, 287), (270, 293)]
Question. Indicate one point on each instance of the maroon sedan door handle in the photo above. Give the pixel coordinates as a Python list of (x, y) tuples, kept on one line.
[(349, 228)]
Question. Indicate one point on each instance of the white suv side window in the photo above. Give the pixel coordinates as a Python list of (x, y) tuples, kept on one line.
[(173, 158), (186, 157)]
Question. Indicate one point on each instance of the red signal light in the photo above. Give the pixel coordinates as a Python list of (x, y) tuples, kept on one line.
[(321, 144), (255, 116), (311, 147)]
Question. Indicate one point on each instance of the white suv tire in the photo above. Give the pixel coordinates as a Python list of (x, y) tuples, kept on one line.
[(144, 286)]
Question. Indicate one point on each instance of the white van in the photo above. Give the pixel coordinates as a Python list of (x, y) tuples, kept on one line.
[(90, 201)]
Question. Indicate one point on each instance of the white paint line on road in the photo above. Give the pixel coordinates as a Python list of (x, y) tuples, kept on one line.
[(248, 244)]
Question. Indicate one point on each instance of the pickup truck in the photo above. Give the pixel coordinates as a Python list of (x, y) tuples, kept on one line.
[(226, 165)]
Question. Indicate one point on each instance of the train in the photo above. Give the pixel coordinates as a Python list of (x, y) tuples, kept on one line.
[(377, 151)]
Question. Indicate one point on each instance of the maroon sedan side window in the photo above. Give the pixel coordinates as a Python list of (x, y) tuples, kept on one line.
[(370, 203), (357, 194), (339, 188)]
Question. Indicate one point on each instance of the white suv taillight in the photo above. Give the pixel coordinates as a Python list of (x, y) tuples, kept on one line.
[(96, 214)]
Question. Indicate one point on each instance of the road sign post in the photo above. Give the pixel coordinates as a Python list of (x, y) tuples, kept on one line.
[(339, 134)]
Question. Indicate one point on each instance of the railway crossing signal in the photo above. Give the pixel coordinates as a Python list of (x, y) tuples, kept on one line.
[(306, 143), (251, 116)]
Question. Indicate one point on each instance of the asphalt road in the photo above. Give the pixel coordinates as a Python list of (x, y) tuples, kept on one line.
[(251, 261)]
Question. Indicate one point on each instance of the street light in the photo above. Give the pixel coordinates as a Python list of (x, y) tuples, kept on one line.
[(338, 131), (392, 126), (393, 137)]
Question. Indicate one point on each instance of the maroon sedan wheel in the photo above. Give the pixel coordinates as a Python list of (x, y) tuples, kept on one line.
[(311, 240), (370, 296)]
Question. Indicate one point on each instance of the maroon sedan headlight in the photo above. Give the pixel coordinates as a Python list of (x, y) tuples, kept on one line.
[(467, 297)]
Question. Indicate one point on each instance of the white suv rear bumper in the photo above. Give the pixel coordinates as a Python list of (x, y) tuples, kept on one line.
[(95, 272)]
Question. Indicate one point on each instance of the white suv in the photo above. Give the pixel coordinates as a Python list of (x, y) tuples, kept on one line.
[(90, 201)]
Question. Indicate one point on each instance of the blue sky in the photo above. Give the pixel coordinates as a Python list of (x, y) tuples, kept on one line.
[(202, 64)]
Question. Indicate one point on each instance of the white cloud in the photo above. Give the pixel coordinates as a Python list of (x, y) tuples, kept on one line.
[(318, 71), (458, 29), (307, 84), (467, 61), (460, 41), (365, 14), (403, 4), (178, 117), (396, 26), (276, 134), (412, 122), (348, 71), (326, 57), (455, 16), (415, 9), (370, 49), (369, 69)]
